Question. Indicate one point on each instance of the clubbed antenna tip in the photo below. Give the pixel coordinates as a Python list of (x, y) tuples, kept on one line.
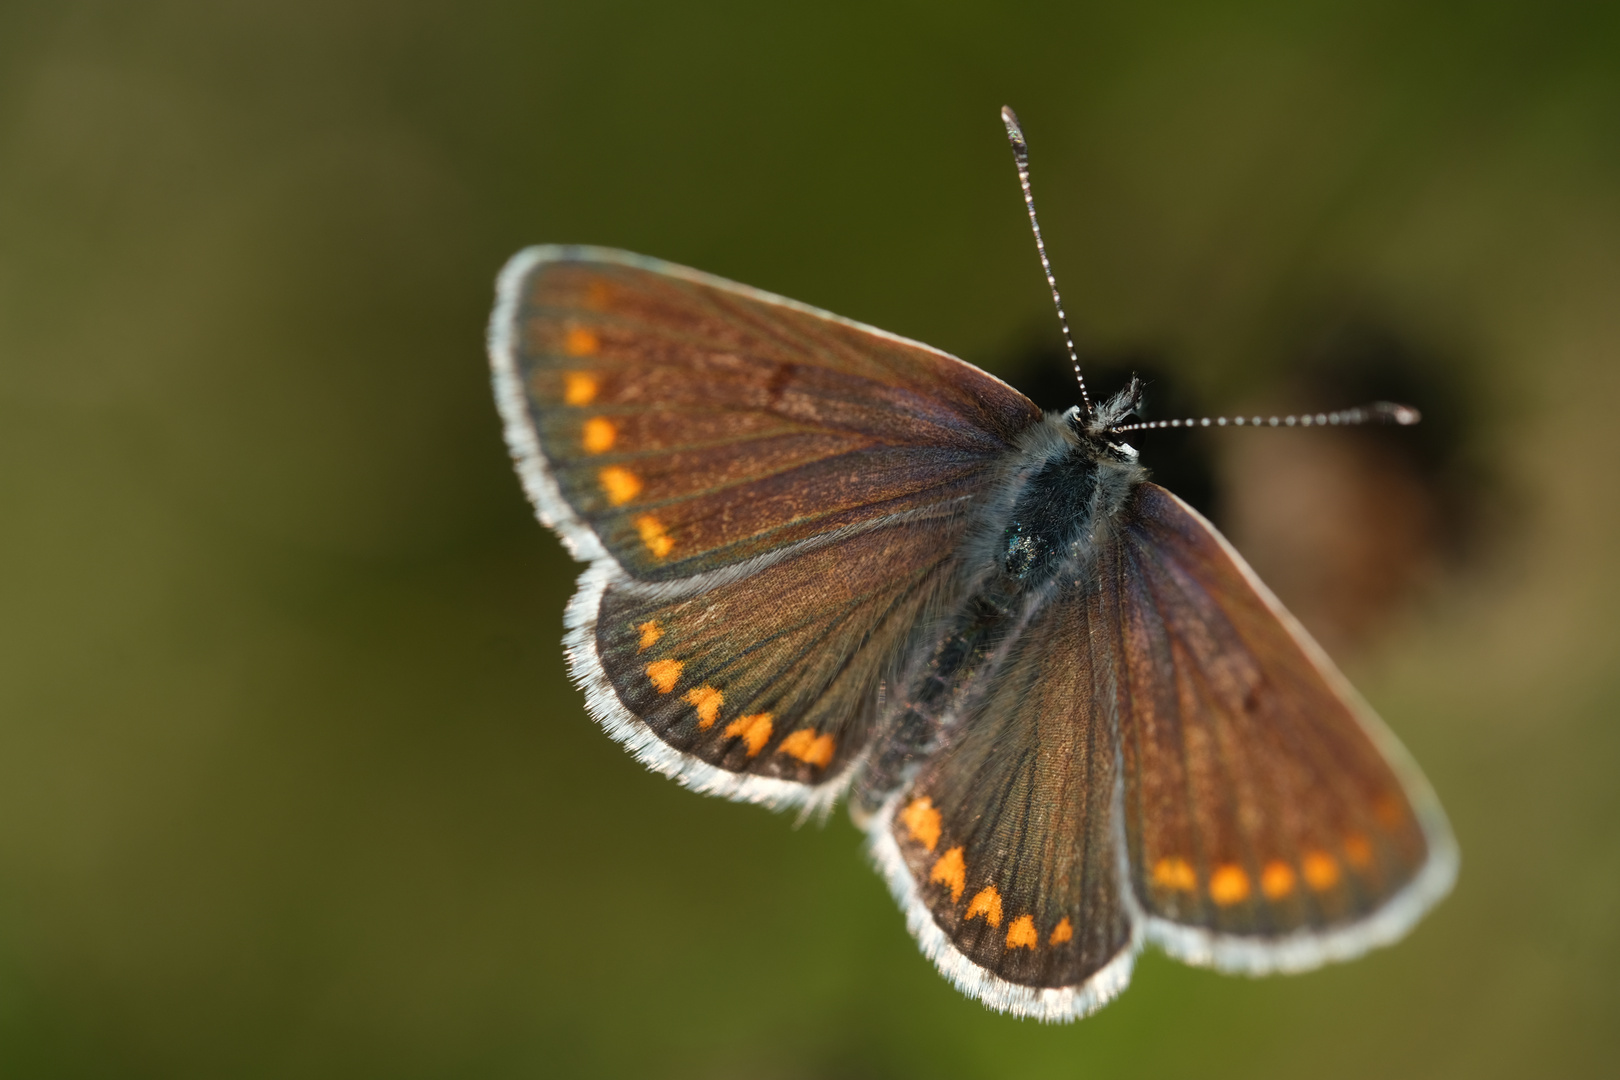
[(1379, 412), (1015, 135)]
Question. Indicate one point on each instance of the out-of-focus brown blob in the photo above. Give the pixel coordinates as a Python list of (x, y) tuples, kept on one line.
[(1349, 526), (1341, 526)]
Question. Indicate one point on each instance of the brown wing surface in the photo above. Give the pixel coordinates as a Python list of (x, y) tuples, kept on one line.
[(1005, 849), (681, 423), (758, 685)]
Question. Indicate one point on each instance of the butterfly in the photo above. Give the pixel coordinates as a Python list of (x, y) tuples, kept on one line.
[(827, 561)]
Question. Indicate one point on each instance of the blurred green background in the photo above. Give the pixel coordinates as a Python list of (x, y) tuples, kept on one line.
[(291, 779)]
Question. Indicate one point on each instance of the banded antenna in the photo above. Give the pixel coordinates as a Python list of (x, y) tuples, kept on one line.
[(1015, 135), (1379, 412)]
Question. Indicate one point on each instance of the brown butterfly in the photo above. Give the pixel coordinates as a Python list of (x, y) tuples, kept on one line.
[(825, 560)]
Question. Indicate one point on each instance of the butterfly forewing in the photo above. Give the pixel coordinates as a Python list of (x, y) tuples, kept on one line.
[(1008, 837), (1270, 820), (690, 423)]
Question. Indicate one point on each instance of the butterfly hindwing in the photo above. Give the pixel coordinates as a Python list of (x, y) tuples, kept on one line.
[(768, 496), (1005, 849), (771, 680), (1272, 822), (681, 423)]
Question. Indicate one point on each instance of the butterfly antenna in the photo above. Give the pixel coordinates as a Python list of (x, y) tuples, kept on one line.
[(1015, 135), (1379, 412)]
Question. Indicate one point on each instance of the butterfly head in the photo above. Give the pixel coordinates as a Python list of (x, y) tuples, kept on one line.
[(1098, 426)]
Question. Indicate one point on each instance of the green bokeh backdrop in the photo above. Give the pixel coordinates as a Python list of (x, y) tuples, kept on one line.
[(291, 778)]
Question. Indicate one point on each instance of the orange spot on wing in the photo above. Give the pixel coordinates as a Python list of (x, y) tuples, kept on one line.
[(581, 342), (707, 700), (598, 296), (1021, 933), (1358, 851), (1228, 885), (1389, 810), (808, 747), (986, 902), (950, 871), (922, 821), (598, 436), (620, 485), (754, 730), (650, 633), (1276, 879), (1321, 870), (579, 387), (654, 536), (664, 674), (1062, 932), (1174, 872)]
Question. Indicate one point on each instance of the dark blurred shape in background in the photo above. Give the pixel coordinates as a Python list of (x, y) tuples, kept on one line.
[(292, 781), (1353, 527)]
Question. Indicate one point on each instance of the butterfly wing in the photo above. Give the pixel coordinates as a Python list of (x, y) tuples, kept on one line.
[(680, 423), (768, 496), (1005, 850), (762, 687), (1271, 821)]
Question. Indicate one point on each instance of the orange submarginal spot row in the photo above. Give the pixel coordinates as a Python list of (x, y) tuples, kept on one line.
[(620, 485), (950, 871), (664, 674), (1276, 879), (650, 633), (987, 903), (653, 536), (579, 387), (597, 435), (707, 701), (1321, 870), (809, 747), (1174, 872), (1021, 933), (1228, 885), (754, 730), (581, 342), (1063, 931), (921, 821)]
